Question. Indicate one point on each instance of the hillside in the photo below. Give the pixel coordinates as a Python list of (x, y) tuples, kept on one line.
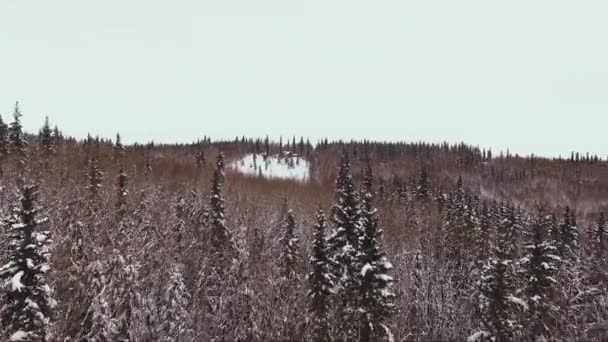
[(271, 242)]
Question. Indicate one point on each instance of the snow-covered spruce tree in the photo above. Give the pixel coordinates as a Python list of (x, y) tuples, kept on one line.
[(344, 244), (485, 221), (221, 238), (456, 228), (473, 230), (119, 148), (17, 139), (375, 287), (511, 217), (27, 298), (599, 237), (121, 193), (321, 282), (290, 242), (497, 285), (553, 234), (423, 191), (540, 266), (568, 244), (46, 138), (94, 178), (57, 136)]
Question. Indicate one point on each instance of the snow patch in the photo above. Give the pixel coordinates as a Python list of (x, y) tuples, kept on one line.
[(366, 269), (478, 336), (16, 284), (518, 301), (286, 166), (19, 336)]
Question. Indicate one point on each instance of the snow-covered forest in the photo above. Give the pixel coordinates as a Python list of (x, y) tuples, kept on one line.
[(255, 239)]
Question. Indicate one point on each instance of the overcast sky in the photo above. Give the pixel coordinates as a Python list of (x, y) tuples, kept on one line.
[(531, 75)]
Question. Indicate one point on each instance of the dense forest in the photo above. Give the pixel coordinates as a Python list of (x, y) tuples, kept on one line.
[(382, 241)]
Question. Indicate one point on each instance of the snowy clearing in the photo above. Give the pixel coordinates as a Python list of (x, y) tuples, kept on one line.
[(285, 166)]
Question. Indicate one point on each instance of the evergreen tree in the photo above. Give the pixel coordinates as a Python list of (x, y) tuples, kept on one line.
[(17, 139), (27, 298), (484, 233), (599, 237), (321, 282), (95, 177), (512, 218), (119, 149), (459, 225), (346, 218), (568, 243), (289, 256), (46, 137), (57, 136), (497, 302), (540, 264), (375, 287), (345, 248), (423, 191), (221, 238)]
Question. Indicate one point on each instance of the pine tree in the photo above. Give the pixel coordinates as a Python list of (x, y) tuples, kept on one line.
[(375, 287), (568, 235), (46, 138), (497, 285), (484, 242), (599, 237), (321, 282), (221, 238), (346, 218), (459, 224), (57, 136), (95, 177), (289, 256), (28, 305), (512, 218), (423, 191), (119, 149), (17, 139), (540, 264), (345, 248)]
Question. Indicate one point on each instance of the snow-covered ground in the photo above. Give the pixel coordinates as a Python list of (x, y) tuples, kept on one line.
[(287, 166)]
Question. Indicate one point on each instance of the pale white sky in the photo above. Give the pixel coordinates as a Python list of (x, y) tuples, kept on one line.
[(531, 75)]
